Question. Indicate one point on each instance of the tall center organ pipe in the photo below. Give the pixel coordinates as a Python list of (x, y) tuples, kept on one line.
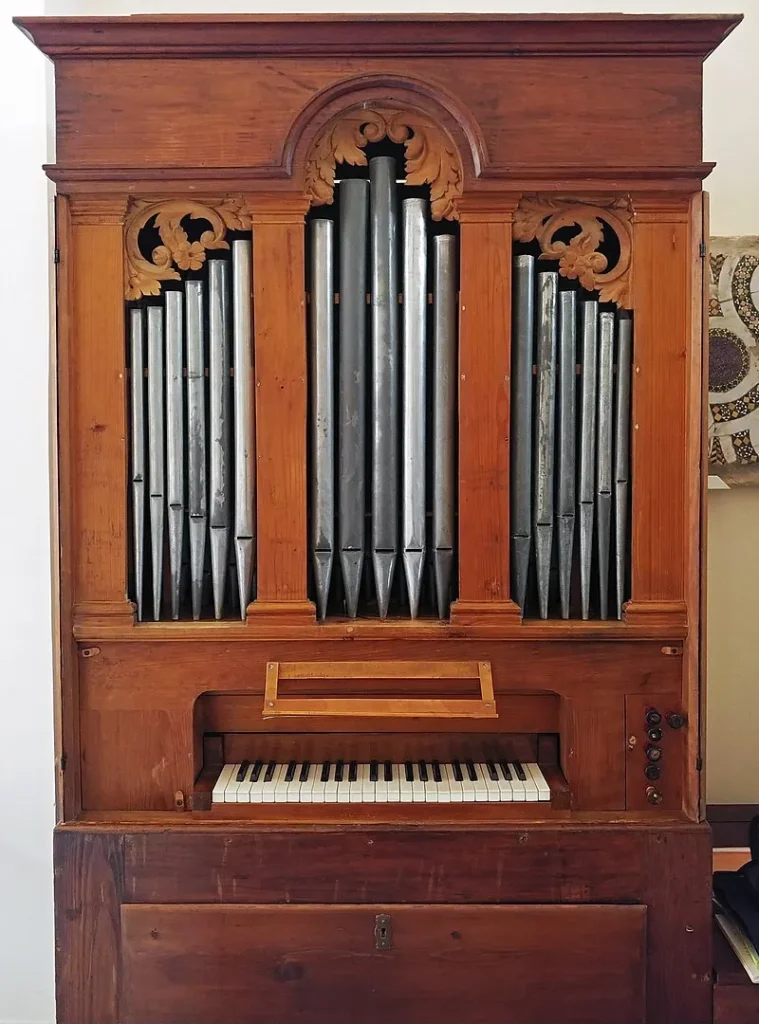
[(219, 426), (385, 402), (414, 396), (354, 205), (321, 312), (175, 442), (245, 445), (604, 456), (137, 361), (444, 310), (197, 499), (521, 424), (587, 447), (545, 433), (156, 458)]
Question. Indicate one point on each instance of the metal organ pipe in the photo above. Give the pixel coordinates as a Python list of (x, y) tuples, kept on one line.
[(544, 433), (219, 432), (354, 196), (156, 459), (604, 456), (137, 361), (385, 396), (174, 442), (521, 423), (565, 511), (414, 396), (197, 496), (444, 310), (622, 453), (322, 409), (245, 468), (587, 447)]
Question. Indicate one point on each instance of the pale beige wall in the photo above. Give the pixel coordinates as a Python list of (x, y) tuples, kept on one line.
[(732, 737)]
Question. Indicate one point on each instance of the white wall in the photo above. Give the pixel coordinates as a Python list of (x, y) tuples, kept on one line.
[(26, 743)]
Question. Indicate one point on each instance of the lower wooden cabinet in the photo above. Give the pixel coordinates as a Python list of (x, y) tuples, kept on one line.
[(412, 964)]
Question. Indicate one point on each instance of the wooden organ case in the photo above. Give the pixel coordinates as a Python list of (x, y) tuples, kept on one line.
[(379, 408)]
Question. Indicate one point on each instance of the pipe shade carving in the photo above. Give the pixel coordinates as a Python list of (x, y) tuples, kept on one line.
[(541, 218), (431, 157), (177, 252)]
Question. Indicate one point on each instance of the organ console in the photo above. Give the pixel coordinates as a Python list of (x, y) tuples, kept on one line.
[(379, 378)]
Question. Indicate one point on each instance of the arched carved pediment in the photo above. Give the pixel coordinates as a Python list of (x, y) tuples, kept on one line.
[(432, 157)]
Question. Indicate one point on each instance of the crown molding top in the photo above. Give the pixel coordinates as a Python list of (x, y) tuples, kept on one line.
[(329, 36)]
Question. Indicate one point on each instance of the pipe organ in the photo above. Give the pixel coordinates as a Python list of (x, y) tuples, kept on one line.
[(378, 399)]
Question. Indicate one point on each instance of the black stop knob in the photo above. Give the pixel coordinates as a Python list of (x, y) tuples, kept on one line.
[(653, 717), (653, 795), (675, 720), (653, 771), (655, 734), (653, 753)]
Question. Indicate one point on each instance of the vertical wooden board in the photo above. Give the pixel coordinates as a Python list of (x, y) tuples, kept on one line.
[(661, 276), (484, 387), (69, 786), (281, 402), (97, 437), (136, 760), (593, 751), (88, 887), (678, 895), (483, 965)]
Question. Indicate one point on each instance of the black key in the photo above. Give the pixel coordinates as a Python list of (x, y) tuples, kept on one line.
[(352, 772), (290, 773), (506, 771), (325, 771), (388, 771), (305, 768), (257, 767), (242, 770), (270, 769), (491, 771), (409, 771), (437, 775), (423, 771), (520, 771), (373, 771), (457, 772), (339, 768), (471, 771)]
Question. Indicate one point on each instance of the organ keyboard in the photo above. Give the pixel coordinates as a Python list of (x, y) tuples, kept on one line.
[(379, 782)]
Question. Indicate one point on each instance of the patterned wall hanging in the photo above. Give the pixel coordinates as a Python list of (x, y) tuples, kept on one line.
[(734, 359)]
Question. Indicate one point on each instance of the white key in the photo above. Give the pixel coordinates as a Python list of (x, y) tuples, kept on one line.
[(530, 789), (406, 787), (280, 790), (307, 786), (381, 785), (418, 794), (217, 794), (343, 788), (544, 790), (269, 788), (517, 786), (319, 790), (257, 786), (430, 786), (394, 786), (330, 789), (491, 785), (355, 788), (243, 790), (504, 786), (467, 786), (480, 789), (368, 788), (292, 794), (454, 786), (230, 793)]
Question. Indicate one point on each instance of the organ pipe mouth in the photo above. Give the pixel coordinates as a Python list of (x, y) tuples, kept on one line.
[(382, 389), (570, 448)]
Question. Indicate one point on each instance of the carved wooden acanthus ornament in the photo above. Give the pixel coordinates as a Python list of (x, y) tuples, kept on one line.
[(176, 252), (542, 218), (431, 157)]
